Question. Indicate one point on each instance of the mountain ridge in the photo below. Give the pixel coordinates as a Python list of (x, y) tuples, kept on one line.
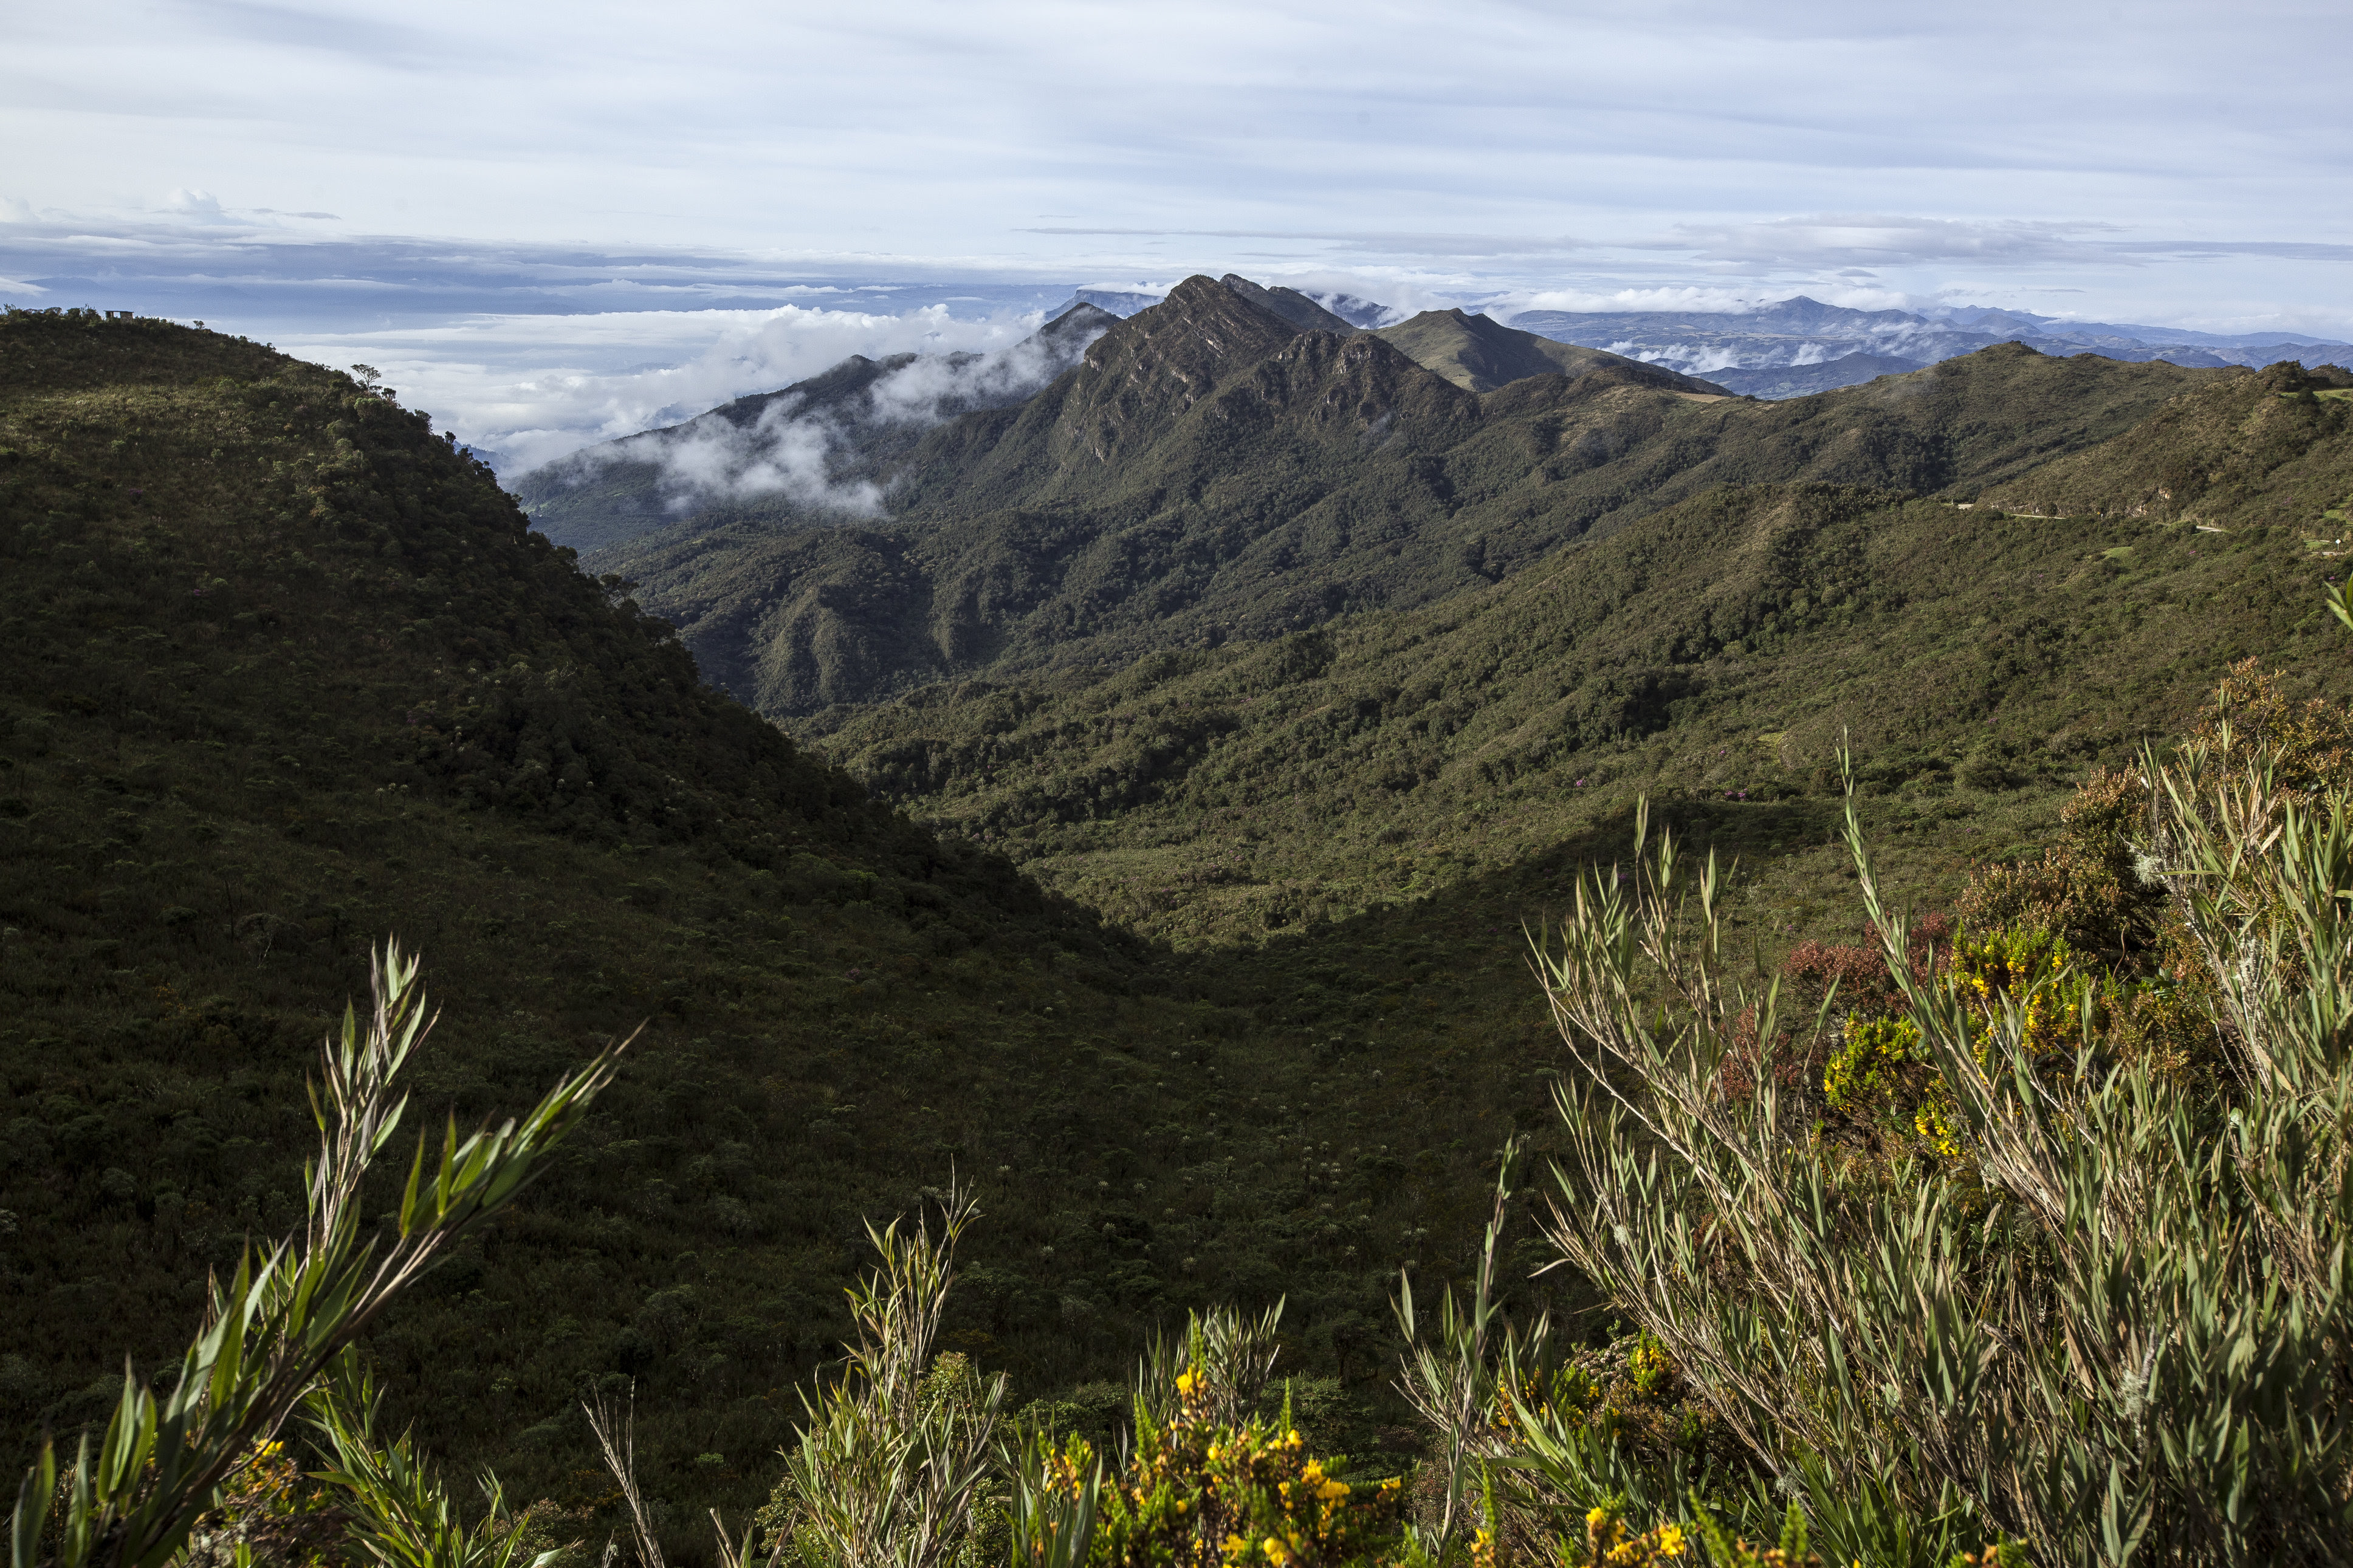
[(603, 496), (1333, 474)]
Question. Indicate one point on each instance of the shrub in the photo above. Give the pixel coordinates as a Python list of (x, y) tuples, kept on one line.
[(1202, 1481), (169, 1466), (2114, 1322)]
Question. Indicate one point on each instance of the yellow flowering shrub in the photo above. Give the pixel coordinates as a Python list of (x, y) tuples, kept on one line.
[(2017, 966), (1649, 1367), (1881, 1074), (1608, 1543), (1198, 1494), (1878, 1060), (269, 1513)]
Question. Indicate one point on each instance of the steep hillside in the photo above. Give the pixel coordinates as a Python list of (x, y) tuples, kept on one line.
[(1720, 651), (1479, 354), (288, 674), (1290, 304), (1208, 473), (2273, 448)]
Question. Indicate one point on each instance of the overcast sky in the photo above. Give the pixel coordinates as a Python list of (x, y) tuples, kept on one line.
[(316, 172)]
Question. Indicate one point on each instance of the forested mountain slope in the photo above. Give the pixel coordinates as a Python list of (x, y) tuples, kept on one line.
[(2269, 449), (1208, 473), (1721, 650), (287, 674)]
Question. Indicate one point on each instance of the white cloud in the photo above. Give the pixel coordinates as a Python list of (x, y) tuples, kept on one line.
[(533, 387), (195, 206), (1479, 129), (1880, 240), (799, 451)]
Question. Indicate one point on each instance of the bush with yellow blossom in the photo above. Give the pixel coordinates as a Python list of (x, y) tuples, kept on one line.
[(1881, 1073), (269, 1511), (1196, 1491), (1610, 1543)]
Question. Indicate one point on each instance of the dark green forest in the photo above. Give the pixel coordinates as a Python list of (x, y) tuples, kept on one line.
[(1140, 837)]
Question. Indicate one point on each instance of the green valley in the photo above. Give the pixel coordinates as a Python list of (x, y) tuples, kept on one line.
[(287, 674), (1128, 796)]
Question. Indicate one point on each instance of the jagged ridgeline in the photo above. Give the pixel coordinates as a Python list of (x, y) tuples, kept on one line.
[(288, 673), (1210, 470)]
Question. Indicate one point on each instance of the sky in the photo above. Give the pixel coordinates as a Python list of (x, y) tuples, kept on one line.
[(556, 223)]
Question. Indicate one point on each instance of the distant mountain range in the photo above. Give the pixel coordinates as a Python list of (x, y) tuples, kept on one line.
[(1798, 346), (1236, 462), (833, 443)]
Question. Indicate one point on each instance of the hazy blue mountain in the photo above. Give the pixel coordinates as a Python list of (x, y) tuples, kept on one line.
[(2148, 334), (1788, 345)]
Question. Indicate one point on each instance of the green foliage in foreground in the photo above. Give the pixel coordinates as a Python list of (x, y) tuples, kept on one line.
[(2110, 1319), (2113, 1320), (272, 1333)]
